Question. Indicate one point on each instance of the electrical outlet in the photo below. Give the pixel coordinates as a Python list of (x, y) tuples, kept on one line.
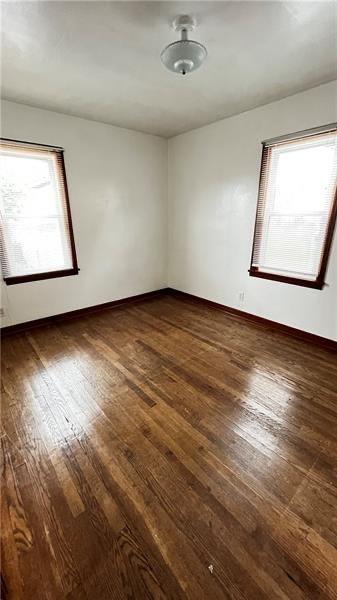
[(242, 297)]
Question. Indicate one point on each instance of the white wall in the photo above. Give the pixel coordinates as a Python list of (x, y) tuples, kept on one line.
[(213, 184), (117, 182)]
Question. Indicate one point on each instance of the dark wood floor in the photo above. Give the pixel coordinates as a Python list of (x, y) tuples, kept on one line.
[(168, 450)]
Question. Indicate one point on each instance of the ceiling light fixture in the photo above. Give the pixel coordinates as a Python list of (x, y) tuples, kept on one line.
[(183, 56)]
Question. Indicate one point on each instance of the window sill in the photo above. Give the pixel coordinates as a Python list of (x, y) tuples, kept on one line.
[(317, 285), (41, 276)]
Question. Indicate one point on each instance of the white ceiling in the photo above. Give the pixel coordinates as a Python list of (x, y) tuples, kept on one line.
[(100, 60)]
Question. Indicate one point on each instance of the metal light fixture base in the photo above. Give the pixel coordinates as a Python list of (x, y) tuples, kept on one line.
[(182, 22)]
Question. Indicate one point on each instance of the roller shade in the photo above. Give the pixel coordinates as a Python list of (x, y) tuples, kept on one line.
[(36, 230), (296, 207)]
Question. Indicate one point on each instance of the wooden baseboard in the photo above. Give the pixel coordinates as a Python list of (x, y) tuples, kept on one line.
[(80, 312), (267, 323)]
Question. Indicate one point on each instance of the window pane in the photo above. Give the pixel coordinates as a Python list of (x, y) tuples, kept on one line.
[(295, 200), (34, 216)]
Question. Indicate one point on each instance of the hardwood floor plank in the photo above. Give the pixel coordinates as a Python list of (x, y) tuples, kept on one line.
[(168, 450)]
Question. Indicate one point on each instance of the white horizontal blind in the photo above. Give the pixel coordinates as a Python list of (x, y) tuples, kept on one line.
[(296, 196), (34, 217)]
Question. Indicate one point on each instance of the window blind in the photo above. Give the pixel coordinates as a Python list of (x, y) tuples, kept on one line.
[(36, 232), (296, 208)]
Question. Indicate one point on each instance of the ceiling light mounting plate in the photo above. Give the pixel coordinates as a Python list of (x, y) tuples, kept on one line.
[(184, 22)]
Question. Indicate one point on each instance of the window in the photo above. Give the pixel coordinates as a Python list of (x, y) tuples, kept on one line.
[(296, 210), (37, 240)]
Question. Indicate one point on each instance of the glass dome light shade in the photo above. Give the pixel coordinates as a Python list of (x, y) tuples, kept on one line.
[(183, 56)]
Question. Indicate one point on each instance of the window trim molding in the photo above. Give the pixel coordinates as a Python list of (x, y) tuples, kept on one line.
[(21, 143), (40, 276), (74, 270), (289, 137), (254, 271)]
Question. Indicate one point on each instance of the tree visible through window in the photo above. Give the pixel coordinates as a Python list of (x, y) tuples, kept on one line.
[(36, 230), (296, 210)]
